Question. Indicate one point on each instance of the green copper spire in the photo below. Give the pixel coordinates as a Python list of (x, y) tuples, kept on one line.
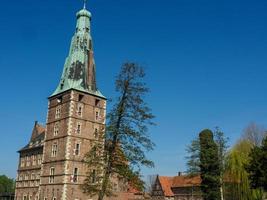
[(79, 68)]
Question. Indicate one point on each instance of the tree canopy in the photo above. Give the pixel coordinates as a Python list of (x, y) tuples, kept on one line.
[(125, 138)]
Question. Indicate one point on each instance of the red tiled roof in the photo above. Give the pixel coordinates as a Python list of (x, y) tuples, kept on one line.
[(186, 181), (166, 183)]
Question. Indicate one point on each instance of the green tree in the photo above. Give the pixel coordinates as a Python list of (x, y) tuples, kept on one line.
[(209, 166), (257, 166), (7, 185), (236, 176), (193, 160), (126, 137), (222, 143)]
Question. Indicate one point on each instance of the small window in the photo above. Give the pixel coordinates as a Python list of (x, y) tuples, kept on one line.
[(54, 150), (96, 115), (96, 133), (54, 198), (39, 161), (75, 175), (59, 99), (56, 129), (58, 112), (24, 197), (78, 129), (97, 101), (33, 160), (93, 176), (80, 97), (52, 175), (28, 162), (79, 110), (22, 162), (77, 149)]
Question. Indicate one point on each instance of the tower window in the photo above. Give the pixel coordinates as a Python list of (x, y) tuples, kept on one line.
[(77, 149), (75, 175), (56, 129), (96, 115), (79, 110), (39, 161), (22, 163), (80, 97), (97, 101), (52, 175), (33, 160), (54, 150), (96, 133), (58, 112), (93, 176), (59, 99), (28, 161), (78, 129)]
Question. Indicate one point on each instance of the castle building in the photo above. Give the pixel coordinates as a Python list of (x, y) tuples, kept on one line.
[(51, 166)]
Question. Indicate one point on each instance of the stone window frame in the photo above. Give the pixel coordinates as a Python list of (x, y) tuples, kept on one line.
[(39, 159), (78, 128), (56, 128), (77, 151), (28, 161), (54, 149), (75, 175), (97, 115), (79, 110), (51, 175), (22, 161), (34, 160), (58, 112)]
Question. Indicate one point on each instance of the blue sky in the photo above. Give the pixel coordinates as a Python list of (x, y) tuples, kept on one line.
[(205, 60)]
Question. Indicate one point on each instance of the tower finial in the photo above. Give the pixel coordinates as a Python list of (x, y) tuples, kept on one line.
[(84, 4)]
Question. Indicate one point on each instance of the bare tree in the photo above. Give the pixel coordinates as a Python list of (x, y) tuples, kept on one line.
[(151, 179), (254, 133)]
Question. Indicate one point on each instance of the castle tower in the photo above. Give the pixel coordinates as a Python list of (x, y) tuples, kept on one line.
[(76, 113)]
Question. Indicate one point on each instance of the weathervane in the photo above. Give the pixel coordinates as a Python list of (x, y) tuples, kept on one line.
[(84, 4)]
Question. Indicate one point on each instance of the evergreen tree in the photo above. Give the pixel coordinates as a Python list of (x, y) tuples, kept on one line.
[(126, 137), (257, 166), (193, 160), (209, 166)]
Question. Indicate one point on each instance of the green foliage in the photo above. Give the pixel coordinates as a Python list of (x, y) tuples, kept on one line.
[(121, 151), (193, 160), (237, 186), (257, 166), (7, 185), (209, 166)]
